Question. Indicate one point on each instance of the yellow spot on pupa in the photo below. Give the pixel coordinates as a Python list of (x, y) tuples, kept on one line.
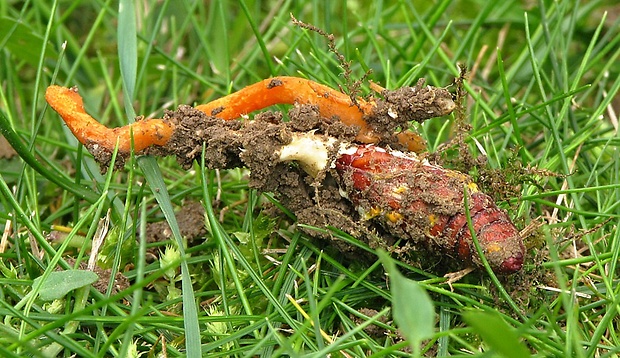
[(432, 221), (401, 189), (457, 175), (394, 216), (493, 247), (472, 187), (373, 212)]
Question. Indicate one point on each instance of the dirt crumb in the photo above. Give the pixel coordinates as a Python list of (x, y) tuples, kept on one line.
[(6, 150), (407, 104), (217, 110), (190, 219), (274, 83), (306, 118)]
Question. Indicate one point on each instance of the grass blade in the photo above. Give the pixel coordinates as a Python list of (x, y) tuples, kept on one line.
[(190, 311)]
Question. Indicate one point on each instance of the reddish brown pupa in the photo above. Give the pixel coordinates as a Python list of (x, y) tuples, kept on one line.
[(422, 202)]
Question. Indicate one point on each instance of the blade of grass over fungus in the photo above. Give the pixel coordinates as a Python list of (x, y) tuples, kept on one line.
[(128, 53), (505, 295), (230, 250), (127, 38), (153, 175)]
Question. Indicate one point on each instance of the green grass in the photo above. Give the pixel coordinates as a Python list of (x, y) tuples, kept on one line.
[(543, 93)]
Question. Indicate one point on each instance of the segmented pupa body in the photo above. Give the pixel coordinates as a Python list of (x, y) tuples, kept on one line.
[(418, 201)]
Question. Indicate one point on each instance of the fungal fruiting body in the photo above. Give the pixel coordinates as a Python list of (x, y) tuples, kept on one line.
[(409, 197), (415, 200), (400, 106), (294, 90), (69, 105)]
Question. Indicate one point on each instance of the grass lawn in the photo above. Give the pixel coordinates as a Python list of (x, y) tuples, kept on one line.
[(234, 273)]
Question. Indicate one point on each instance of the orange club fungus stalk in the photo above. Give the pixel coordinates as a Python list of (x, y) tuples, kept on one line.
[(69, 105)]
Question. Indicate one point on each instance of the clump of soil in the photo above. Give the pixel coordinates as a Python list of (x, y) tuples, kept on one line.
[(255, 144), (191, 224), (407, 104)]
